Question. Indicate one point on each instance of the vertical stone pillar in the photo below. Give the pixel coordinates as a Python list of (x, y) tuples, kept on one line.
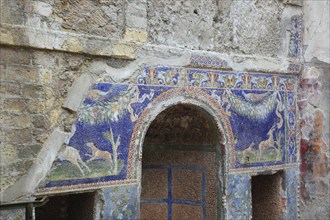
[(136, 21)]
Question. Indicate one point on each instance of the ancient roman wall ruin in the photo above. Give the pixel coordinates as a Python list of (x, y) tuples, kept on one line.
[(84, 75)]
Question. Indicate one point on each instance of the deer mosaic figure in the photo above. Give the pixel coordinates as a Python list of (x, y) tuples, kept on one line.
[(269, 143), (99, 154), (247, 152), (72, 155)]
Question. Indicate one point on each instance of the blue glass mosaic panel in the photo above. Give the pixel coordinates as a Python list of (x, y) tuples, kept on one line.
[(255, 104), (292, 190), (295, 37), (239, 196), (12, 214), (121, 202), (257, 120), (292, 128)]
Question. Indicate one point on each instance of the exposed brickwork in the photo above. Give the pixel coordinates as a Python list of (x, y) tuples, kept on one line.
[(33, 87)]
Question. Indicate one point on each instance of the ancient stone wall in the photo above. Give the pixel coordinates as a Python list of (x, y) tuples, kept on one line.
[(34, 84), (52, 52)]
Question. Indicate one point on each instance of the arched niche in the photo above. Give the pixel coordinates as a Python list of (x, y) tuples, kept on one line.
[(202, 103)]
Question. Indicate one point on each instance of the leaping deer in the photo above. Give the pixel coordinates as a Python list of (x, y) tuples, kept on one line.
[(72, 155), (267, 143), (99, 154)]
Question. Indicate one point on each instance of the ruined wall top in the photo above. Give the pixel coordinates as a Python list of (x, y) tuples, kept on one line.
[(132, 29)]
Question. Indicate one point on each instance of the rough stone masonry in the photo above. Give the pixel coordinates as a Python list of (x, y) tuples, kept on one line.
[(52, 52)]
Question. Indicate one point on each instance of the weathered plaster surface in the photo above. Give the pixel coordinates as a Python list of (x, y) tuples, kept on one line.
[(77, 92), (314, 110), (222, 26), (316, 32), (314, 113)]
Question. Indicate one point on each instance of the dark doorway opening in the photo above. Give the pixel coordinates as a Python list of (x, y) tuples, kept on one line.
[(180, 166), (68, 207), (266, 197)]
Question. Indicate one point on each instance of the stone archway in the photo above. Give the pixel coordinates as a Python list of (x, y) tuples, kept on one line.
[(179, 167), (204, 103)]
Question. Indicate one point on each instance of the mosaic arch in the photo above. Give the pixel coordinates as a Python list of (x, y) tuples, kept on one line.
[(255, 112), (193, 96), (199, 99)]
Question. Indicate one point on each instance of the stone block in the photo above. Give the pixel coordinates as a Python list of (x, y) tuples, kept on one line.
[(22, 73), (22, 166), (18, 136), (33, 21), (36, 106), (135, 35), (8, 154), (37, 91), (73, 45), (10, 13), (40, 38), (16, 121), (2, 71), (136, 15), (6, 36), (28, 151), (40, 135), (42, 8), (17, 56), (293, 2), (32, 91), (98, 47), (46, 76), (49, 103), (54, 116), (10, 88), (14, 105), (124, 51), (40, 121)]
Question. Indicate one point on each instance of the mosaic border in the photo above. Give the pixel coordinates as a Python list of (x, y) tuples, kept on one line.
[(295, 41), (208, 62), (295, 68), (264, 168), (83, 187), (293, 177), (215, 79), (291, 124)]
